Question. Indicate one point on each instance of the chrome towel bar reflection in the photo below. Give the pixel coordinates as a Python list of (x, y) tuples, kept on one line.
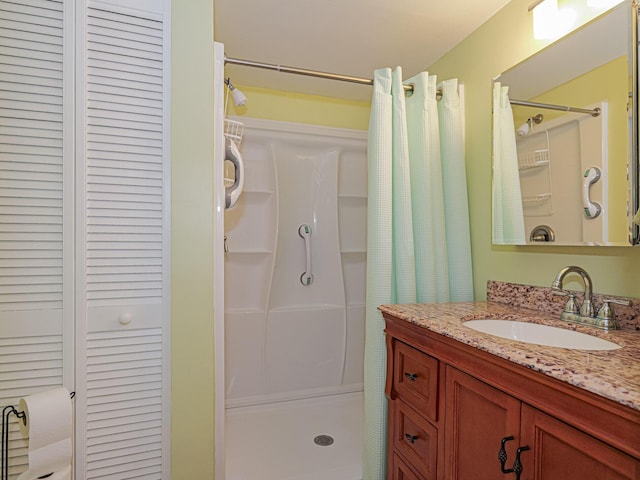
[(523, 103)]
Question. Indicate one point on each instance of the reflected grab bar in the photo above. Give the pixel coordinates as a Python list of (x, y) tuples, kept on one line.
[(304, 231)]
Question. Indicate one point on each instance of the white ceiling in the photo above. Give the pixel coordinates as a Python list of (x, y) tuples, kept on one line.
[(349, 37)]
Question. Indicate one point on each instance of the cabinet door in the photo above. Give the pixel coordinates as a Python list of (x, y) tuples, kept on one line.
[(477, 417), (561, 451)]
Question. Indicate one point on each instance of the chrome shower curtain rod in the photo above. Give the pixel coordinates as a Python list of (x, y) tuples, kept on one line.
[(594, 113), (309, 73)]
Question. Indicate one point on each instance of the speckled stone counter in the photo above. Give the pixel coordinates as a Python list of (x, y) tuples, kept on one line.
[(613, 374)]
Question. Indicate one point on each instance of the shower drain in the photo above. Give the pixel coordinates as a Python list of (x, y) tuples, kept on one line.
[(323, 440)]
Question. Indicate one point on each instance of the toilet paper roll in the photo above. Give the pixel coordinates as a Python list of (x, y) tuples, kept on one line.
[(49, 428)]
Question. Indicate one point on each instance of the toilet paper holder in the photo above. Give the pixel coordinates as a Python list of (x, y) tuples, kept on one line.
[(6, 412)]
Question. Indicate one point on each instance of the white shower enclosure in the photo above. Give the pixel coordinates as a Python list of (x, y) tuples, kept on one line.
[(295, 265), (290, 339)]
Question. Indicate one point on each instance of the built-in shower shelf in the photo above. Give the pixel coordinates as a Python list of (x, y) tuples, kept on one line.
[(244, 311), (532, 200), (356, 305), (256, 191), (308, 307), (249, 252), (349, 195), (357, 251)]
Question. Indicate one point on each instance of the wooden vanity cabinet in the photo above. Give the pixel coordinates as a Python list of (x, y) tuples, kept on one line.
[(451, 405)]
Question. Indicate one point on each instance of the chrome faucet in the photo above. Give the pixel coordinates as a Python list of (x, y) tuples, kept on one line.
[(586, 310), (605, 319)]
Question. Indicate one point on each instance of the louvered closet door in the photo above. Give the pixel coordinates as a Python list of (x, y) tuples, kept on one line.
[(35, 207), (123, 422)]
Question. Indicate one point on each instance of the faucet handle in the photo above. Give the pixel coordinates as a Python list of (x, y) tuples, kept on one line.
[(571, 306), (617, 301), (606, 316)]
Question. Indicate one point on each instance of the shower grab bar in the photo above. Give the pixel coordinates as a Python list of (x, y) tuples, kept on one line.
[(304, 231), (232, 154)]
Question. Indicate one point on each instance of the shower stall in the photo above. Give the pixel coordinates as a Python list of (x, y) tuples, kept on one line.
[(291, 276), (294, 282)]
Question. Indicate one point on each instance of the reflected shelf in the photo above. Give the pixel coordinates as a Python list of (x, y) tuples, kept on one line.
[(536, 199)]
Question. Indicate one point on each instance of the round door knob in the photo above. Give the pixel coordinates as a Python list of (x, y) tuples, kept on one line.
[(125, 318)]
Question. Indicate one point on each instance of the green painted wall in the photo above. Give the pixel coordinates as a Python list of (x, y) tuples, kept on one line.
[(476, 60), (295, 107), (192, 374)]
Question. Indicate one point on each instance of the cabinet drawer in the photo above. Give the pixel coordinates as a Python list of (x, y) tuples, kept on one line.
[(401, 470), (415, 439), (415, 379)]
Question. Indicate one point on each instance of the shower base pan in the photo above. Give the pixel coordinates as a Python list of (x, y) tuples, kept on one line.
[(312, 439)]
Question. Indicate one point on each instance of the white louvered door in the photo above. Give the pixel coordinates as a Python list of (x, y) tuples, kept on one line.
[(36, 206), (84, 224), (123, 167)]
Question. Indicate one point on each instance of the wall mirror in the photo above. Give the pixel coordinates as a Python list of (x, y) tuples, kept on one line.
[(576, 165)]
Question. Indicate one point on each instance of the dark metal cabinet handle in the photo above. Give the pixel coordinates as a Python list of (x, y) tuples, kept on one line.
[(411, 438), (411, 376), (502, 454), (517, 464)]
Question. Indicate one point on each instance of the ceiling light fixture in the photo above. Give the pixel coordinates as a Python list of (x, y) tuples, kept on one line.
[(550, 22), (603, 4)]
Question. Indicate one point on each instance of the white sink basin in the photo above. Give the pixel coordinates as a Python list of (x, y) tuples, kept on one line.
[(540, 334)]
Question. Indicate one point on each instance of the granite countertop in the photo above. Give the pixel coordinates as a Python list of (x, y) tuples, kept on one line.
[(613, 374)]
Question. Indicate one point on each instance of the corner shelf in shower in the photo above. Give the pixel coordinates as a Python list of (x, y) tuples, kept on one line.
[(352, 223), (352, 195), (533, 200), (534, 159), (249, 251), (307, 307), (245, 311), (257, 191)]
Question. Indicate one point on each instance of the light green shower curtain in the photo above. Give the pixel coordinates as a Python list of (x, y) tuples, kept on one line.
[(507, 213), (418, 242)]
